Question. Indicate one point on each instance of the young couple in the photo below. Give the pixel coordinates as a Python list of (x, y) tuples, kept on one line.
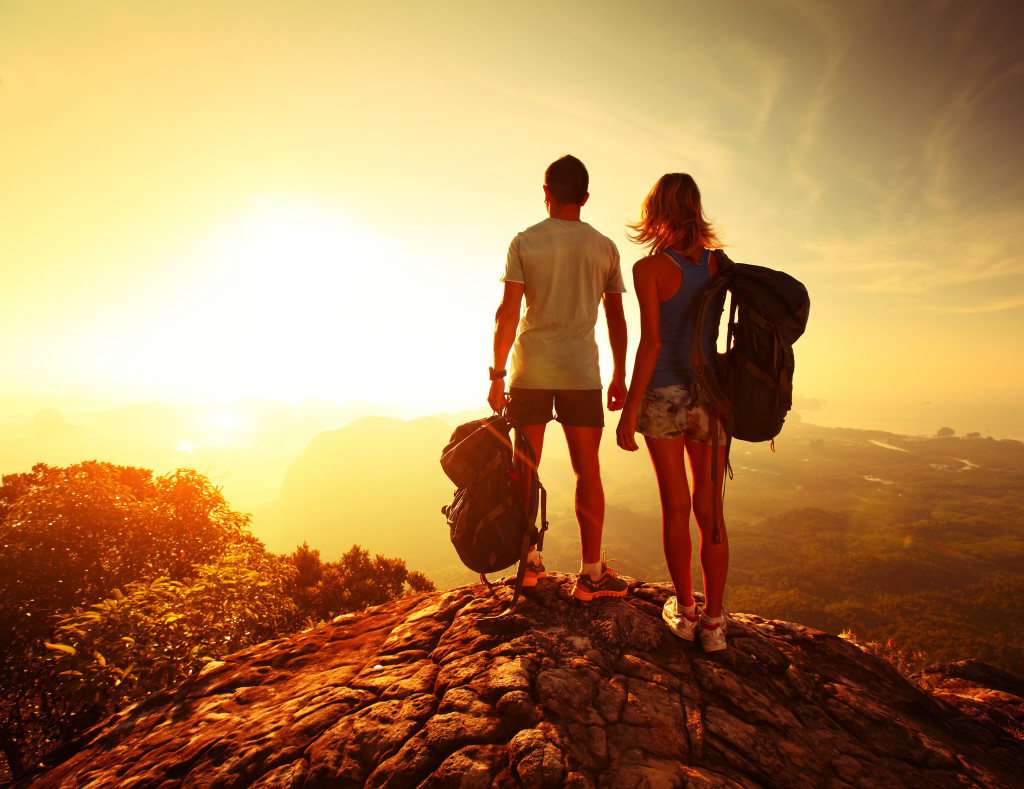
[(563, 269)]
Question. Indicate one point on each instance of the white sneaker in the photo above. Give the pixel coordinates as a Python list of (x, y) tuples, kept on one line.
[(680, 622), (712, 633)]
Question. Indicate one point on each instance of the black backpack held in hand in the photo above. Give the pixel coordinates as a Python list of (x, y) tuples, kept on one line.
[(750, 386), (490, 528)]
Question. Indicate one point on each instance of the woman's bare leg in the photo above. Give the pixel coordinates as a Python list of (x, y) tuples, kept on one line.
[(714, 558), (668, 457)]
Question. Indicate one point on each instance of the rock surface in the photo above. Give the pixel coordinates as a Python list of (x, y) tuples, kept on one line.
[(432, 691)]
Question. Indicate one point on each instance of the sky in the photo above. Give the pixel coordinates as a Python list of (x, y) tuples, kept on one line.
[(206, 201)]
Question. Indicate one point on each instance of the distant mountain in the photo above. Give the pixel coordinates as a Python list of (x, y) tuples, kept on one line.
[(376, 483), (245, 446)]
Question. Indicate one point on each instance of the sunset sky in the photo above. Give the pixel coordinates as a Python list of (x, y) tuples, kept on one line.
[(202, 201)]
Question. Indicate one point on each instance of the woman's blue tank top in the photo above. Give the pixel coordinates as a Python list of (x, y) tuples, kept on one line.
[(678, 316)]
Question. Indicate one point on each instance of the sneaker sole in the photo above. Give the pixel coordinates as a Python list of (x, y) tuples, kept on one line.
[(586, 597), (531, 580)]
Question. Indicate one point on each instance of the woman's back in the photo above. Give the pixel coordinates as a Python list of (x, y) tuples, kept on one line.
[(677, 318)]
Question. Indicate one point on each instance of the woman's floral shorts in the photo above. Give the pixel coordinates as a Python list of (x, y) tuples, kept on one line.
[(666, 413)]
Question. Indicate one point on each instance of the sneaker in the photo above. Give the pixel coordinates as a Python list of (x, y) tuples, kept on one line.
[(679, 622), (608, 584), (534, 570), (712, 633)]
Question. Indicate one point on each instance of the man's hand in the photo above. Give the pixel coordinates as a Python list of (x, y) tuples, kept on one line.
[(496, 397), (616, 393)]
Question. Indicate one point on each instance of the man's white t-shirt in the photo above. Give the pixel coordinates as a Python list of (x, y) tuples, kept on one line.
[(566, 267)]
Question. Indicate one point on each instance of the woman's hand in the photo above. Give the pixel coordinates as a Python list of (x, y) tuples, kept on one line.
[(625, 433)]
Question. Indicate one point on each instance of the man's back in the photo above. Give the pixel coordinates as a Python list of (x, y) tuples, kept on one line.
[(565, 267)]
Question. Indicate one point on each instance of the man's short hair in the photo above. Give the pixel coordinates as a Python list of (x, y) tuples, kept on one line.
[(567, 180)]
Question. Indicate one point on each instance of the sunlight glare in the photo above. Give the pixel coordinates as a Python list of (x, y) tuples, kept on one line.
[(225, 420), (308, 303)]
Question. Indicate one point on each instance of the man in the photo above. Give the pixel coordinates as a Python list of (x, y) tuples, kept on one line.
[(564, 268)]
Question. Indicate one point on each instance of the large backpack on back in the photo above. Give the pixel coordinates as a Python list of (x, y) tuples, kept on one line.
[(489, 525), (750, 385)]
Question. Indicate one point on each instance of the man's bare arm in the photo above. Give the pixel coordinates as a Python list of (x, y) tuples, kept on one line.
[(506, 323), (617, 338)]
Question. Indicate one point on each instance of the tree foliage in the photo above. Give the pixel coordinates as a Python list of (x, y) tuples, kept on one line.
[(325, 589), (70, 534), (115, 583), (158, 632), (944, 589)]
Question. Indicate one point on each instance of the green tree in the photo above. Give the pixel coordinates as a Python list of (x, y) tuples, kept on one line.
[(115, 583), (323, 590), (157, 633), (68, 536), (93, 526)]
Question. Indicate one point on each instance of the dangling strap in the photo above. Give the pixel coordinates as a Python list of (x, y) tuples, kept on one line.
[(543, 517), (521, 572), (718, 503)]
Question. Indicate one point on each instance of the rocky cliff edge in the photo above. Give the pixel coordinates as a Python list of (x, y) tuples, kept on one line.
[(431, 691)]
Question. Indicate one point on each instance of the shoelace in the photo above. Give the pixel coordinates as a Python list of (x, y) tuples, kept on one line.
[(606, 568)]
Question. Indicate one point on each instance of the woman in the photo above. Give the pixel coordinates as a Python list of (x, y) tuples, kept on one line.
[(660, 403)]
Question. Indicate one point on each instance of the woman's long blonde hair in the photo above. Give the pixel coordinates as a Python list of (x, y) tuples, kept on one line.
[(671, 217)]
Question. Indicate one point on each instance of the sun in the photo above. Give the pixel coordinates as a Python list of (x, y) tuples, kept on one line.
[(285, 300)]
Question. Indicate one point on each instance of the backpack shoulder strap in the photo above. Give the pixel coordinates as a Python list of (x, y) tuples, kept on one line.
[(721, 260), (703, 368)]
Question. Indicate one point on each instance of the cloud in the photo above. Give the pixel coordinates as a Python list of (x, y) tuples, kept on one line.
[(960, 309), (943, 262)]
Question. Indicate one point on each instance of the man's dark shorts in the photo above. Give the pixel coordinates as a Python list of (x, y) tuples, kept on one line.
[(572, 407)]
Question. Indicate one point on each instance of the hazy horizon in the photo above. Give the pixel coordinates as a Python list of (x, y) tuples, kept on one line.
[(247, 446), (999, 416)]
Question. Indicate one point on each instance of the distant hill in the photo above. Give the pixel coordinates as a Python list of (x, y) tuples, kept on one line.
[(245, 446), (375, 483)]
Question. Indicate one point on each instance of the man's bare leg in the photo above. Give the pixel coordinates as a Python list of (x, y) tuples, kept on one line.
[(584, 443)]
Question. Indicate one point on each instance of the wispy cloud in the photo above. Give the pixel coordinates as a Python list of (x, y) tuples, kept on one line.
[(963, 309), (941, 264)]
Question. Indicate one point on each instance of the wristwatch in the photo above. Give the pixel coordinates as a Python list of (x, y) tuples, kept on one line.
[(494, 375)]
